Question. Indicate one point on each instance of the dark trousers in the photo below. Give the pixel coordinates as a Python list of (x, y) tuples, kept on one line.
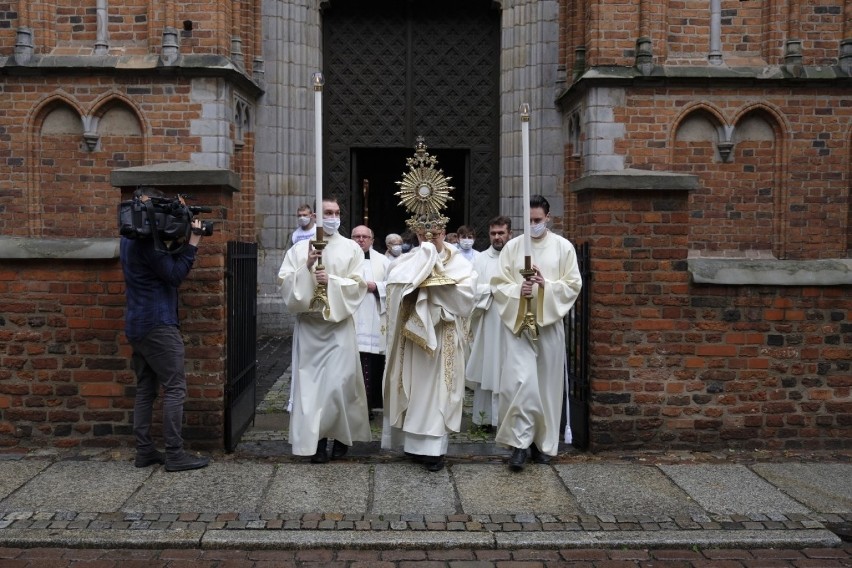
[(373, 367), (158, 360)]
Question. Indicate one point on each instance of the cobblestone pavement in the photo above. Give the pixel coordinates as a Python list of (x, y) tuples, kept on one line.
[(433, 558)]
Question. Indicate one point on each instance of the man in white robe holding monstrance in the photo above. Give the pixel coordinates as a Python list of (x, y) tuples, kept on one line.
[(430, 296), (323, 287), (532, 382)]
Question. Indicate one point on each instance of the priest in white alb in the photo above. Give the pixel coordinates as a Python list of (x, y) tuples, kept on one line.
[(430, 296), (485, 361), (371, 317), (328, 396), (534, 376)]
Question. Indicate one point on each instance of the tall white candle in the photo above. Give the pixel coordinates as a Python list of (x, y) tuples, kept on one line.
[(525, 144), (318, 82)]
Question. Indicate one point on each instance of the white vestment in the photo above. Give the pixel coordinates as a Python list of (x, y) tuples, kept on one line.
[(329, 400), (424, 373), (370, 318), (534, 374), (489, 342)]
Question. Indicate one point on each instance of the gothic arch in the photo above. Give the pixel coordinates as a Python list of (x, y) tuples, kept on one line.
[(58, 102)]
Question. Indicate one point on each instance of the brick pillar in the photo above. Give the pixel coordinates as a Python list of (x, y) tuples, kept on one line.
[(202, 296), (637, 225)]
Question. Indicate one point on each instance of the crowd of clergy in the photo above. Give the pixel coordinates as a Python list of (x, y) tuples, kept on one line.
[(407, 331)]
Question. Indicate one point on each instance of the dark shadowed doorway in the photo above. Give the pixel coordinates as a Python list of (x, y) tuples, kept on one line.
[(382, 168)]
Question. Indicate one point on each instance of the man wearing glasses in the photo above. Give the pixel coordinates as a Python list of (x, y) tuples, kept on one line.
[(370, 319)]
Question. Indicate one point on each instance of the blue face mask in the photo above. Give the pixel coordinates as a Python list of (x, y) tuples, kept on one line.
[(406, 247)]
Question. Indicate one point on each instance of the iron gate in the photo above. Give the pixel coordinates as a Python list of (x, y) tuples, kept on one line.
[(577, 345), (241, 283)]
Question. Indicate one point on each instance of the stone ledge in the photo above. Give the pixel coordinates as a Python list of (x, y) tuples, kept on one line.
[(64, 249), (633, 179), (748, 272), (171, 174)]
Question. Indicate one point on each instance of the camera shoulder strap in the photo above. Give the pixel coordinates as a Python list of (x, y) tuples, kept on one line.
[(159, 246)]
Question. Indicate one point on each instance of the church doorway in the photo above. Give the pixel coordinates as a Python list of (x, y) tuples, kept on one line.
[(395, 70), (375, 172)]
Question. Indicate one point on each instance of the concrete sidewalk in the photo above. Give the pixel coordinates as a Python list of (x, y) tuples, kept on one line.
[(261, 497), (99, 499)]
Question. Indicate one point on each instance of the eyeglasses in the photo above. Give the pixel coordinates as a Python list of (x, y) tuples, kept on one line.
[(357, 237)]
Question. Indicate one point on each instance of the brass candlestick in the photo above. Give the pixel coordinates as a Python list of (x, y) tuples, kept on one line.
[(529, 324), (319, 302)]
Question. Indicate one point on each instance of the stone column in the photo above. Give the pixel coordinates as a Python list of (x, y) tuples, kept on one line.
[(529, 72), (284, 141)]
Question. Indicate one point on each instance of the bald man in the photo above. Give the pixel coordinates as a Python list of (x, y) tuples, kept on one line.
[(370, 319)]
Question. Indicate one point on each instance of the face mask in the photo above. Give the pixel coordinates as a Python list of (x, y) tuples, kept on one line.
[(304, 221), (538, 230), (396, 250), (330, 225), (466, 244), (406, 247)]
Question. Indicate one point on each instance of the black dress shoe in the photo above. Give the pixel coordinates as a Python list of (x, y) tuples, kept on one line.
[(416, 458), (537, 456), (144, 460), (186, 462), (433, 463), (518, 459), (338, 450), (322, 455)]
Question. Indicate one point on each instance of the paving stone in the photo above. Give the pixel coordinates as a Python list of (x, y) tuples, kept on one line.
[(824, 487), (410, 489), (221, 486), (74, 486), (307, 488), (493, 489), (725, 488)]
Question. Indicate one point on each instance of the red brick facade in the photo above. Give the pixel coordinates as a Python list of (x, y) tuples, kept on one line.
[(766, 133), (64, 374), (758, 118)]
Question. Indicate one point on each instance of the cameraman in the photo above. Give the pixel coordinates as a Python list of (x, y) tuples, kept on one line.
[(152, 278)]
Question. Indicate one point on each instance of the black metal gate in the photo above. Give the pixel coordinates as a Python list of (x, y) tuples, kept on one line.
[(577, 345), (241, 283)]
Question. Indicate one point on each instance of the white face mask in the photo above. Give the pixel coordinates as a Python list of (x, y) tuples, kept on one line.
[(304, 221), (538, 230), (466, 244), (396, 250), (330, 225)]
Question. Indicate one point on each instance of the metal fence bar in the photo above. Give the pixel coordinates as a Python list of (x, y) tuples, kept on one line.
[(241, 283), (577, 346)]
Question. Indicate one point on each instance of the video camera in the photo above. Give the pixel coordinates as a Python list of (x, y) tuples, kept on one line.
[(160, 218)]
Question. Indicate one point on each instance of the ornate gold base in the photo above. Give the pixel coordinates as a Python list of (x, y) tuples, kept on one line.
[(529, 326)]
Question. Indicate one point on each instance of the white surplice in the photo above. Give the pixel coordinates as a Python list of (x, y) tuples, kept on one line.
[(329, 400), (424, 374), (489, 342), (370, 318), (532, 382)]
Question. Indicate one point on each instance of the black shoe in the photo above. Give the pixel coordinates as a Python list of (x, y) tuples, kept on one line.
[(537, 456), (416, 458), (153, 458), (338, 450), (322, 455), (433, 463), (186, 462), (372, 416), (518, 459)]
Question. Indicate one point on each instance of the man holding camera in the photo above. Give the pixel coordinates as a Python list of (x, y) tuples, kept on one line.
[(152, 277)]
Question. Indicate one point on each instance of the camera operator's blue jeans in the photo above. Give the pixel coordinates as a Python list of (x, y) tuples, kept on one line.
[(157, 360)]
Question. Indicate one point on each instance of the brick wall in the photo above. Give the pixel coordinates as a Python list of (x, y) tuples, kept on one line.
[(680, 365), (64, 361)]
